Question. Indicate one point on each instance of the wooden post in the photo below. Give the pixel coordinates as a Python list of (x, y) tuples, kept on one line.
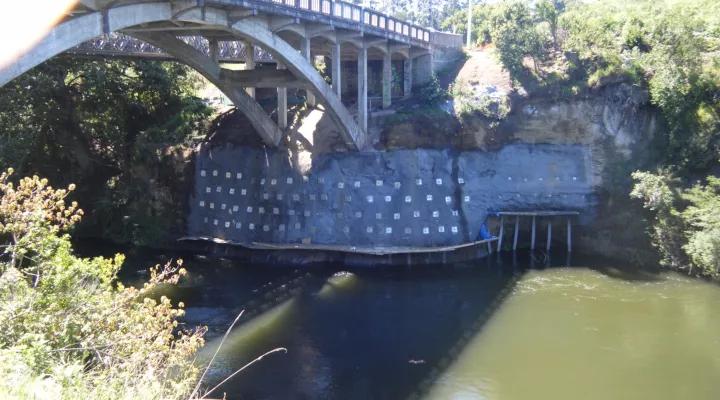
[(549, 235), (500, 235), (569, 235), (517, 229), (532, 238)]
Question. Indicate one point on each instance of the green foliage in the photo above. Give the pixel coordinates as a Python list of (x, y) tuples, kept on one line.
[(672, 47), (432, 92), (702, 217), (515, 36), (103, 124), (481, 23), (70, 331), (470, 100), (686, 223), (549, 11)]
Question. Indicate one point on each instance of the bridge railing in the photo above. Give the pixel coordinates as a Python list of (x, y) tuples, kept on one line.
[(360, 15)]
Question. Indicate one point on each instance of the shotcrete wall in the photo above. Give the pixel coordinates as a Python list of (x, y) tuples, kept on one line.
[(395, 198)]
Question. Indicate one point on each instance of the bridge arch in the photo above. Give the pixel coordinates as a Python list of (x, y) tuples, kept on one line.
[(82, 28)]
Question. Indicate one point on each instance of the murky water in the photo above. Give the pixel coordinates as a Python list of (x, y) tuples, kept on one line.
[(477, 331)]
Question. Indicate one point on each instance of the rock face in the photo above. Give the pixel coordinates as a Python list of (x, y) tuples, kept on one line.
[(620, 113), (424, 186), (418, 197)]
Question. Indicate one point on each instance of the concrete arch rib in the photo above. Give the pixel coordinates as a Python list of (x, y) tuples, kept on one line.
[(80, 29), (83, 28), (187, 54), (259, 32), (77, 30)]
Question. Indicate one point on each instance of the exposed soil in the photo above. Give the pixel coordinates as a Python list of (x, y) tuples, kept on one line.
[(483, 68)]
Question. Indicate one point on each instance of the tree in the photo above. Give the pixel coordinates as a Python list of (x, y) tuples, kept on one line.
[(549, 11), (101, 123), (514, 34)]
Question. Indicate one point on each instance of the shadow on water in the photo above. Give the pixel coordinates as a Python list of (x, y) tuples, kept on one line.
[(380, 334), (369, 334)]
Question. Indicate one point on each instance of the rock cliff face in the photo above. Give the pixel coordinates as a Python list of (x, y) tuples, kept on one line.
[(616, 124), (545, 154)]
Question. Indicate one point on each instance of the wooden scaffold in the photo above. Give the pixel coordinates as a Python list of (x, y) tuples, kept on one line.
[(535, 215)]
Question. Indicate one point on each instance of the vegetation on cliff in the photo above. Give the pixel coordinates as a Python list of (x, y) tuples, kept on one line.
[(565, 48), (70, 329)]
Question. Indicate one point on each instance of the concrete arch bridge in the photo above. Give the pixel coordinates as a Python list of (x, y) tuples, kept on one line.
[(290, 32)]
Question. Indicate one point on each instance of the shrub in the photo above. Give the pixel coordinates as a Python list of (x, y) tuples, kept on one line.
[(70, 330), (432, 92), (686, 223)]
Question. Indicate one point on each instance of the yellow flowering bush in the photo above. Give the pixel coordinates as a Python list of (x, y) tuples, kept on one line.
[(70, 329)]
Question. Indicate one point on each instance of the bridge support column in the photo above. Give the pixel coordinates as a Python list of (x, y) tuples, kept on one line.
[(282, 106), (337, 69), (214, 50), (249, 64), (422, 69), (387, 81), (362, 89), (305, 49), (407, 78)]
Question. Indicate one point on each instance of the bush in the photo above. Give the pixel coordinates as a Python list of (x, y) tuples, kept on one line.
[(485, 101), (685, 227), (70, 330), (432, 92), (110, 126)]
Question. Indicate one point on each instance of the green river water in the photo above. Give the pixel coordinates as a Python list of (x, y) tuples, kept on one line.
[(487, 330)]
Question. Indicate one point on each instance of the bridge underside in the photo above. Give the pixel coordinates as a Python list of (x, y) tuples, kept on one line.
[(205, 34)]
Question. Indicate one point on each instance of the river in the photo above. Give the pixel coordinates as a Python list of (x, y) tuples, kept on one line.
[(492, 329)]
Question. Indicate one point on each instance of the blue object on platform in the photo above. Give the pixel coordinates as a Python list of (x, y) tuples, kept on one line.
[(484, 233)]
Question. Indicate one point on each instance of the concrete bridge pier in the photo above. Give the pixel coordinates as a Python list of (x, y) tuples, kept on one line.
[(282, 105), (306, 51), (336, 60), (387, 80), (407, 78), (362, 88), (249, 64)]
